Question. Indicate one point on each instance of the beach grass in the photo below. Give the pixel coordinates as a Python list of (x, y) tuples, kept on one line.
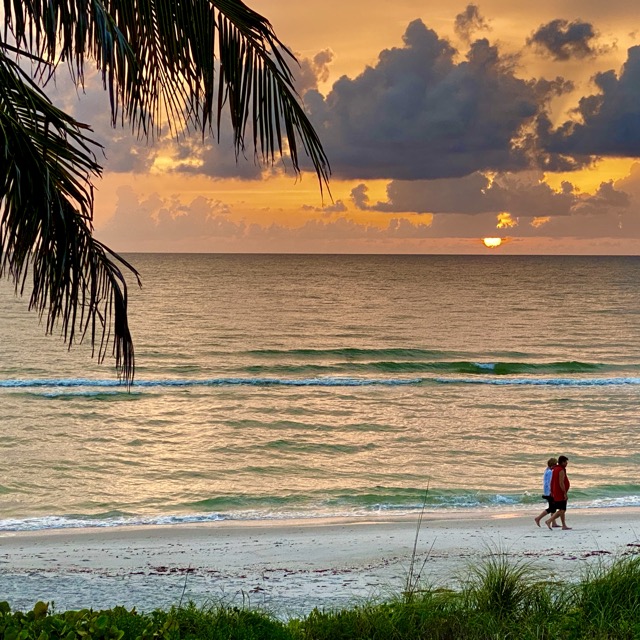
[(498, 599)]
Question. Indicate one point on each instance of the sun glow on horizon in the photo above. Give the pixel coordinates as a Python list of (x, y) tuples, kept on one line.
[(492, 243)]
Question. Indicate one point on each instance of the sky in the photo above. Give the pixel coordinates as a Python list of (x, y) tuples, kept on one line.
[(444, 123)]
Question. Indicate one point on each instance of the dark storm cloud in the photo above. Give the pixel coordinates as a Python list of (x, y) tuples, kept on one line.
[(598, 226), (515, 206), (563, 40), (519, 195), (608, 122), (470, 22), (214, 159), (420, 114)]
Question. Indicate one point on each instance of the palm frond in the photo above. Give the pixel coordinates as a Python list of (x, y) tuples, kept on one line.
[(46, 205), (183, 63)]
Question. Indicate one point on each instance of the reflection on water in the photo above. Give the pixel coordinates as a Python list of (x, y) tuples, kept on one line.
[(275, 385)]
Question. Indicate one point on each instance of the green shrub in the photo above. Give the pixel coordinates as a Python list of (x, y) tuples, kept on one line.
[(607, 600)]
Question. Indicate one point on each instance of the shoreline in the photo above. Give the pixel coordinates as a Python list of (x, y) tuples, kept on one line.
[(291, 567), (52, 523)]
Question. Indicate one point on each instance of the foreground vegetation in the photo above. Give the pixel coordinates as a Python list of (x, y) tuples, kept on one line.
[(499, 600)]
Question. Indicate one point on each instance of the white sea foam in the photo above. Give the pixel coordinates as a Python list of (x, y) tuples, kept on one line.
[(544, 382), (485, 365)]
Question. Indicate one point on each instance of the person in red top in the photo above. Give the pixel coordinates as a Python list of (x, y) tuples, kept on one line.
[(559, 491)]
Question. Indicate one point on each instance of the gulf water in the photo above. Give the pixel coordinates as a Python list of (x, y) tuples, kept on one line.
[(298, 386)]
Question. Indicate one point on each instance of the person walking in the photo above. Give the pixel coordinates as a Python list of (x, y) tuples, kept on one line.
[(546, 491), (559, 492)]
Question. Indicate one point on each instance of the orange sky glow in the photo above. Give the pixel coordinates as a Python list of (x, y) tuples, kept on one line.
[(530, 142)]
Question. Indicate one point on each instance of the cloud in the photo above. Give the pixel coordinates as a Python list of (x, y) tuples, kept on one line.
[(505, 221), (312, 71), (213, 158), (563, 40), (608, 123), (419, 114), (124, 152), (506, 195), (337, 207), (159, 223), (164, 223), (469, 22), (595, 225), (539, 222)]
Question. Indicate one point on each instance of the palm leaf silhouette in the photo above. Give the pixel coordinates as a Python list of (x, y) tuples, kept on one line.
[(174, 63)]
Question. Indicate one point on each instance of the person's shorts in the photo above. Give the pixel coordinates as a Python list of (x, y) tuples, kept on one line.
[(552, 505), (560, 505)]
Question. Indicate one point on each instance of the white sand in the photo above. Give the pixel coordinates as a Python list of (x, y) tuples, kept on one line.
[(290, 568)]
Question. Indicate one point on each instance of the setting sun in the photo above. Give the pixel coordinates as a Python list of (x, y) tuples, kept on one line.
[(492, 242)]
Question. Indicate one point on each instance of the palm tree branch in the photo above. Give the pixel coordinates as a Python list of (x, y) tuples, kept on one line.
[(46, 204), (158, 59)]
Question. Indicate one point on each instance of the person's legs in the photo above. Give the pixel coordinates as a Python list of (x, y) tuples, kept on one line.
[(560, 513), (544, 512), (551, 510), (559, 508)]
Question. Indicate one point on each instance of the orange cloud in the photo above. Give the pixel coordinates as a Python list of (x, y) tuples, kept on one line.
[(505, 221), (538, 222)]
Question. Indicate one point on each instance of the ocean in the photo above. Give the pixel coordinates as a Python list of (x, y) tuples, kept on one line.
[(305, 386)]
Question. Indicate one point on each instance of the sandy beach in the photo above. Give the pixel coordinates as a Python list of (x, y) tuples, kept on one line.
[(289, 568)]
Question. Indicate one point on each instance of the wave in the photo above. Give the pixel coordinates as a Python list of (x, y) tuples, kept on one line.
[(453, 367), (500, 361), (84, 522), (329, 381), (96, 395), (209, 382), (378, 501), (358, 354), (552, 382)]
